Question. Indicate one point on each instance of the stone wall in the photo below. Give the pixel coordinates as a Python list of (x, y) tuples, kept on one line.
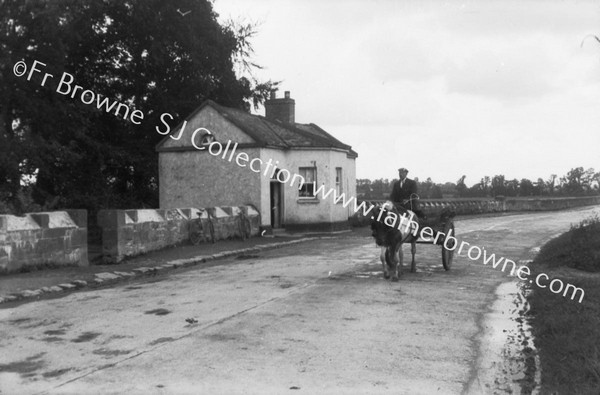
[(127, 233), (548, 204), (38, 240), (433, 207)]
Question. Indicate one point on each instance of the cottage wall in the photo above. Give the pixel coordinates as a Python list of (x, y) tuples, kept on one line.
[(198, 179), (193, 178), (310, 213)]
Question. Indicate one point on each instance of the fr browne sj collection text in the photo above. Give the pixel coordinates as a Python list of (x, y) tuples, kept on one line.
[(67, 87)]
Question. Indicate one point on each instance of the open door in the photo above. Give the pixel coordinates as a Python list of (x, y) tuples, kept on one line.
[(276, 204)]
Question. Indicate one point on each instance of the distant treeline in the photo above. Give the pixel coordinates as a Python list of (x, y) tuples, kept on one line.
[(577, 182)]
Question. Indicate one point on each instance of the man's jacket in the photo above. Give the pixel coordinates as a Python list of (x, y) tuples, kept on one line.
[(404, 192)]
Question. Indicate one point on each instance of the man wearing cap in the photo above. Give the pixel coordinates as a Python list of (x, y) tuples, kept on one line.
[(404, 193)]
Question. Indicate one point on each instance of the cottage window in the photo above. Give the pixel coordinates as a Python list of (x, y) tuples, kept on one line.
[(338, 180), (309, 175)]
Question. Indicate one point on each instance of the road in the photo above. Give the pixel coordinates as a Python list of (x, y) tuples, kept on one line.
[(316, 317)]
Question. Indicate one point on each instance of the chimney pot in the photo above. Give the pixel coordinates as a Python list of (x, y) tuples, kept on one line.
[(282, 109), (273, 94)]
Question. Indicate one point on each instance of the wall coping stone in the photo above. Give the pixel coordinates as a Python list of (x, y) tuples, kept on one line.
[(14, 223), (33, 221), (144, 215)]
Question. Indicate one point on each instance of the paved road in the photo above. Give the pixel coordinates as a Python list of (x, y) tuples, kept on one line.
[(313, 318)]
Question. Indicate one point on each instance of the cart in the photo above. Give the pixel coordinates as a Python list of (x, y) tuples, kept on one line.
[(445, 224)]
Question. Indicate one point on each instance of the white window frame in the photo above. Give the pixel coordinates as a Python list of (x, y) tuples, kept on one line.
[(314, 182)]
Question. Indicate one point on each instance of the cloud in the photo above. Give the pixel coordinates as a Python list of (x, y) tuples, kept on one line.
[(482, 89), (519, 70)]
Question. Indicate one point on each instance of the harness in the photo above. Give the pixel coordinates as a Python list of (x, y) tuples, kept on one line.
[(413, 196), (404, 228)]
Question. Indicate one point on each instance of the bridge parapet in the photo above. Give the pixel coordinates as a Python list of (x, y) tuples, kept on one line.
[(46, 239), (127, 233), (467, 206)]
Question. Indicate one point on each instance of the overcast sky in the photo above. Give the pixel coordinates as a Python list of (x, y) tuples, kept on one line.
[(442, 88)]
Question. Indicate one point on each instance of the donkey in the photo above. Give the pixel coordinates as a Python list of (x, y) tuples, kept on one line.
[(391, 227)]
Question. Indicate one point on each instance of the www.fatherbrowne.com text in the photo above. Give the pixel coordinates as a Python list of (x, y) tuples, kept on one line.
[(67, 87)]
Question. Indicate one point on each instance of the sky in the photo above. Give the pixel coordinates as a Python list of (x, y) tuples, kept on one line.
[(443, 88)]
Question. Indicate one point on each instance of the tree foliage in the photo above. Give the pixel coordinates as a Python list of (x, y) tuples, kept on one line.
[(577, 182), (155, 56)]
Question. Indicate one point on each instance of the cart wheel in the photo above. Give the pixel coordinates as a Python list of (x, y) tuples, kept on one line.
[(195, 233), (448, 253)]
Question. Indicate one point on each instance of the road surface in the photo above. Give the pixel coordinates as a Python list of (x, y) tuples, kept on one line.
[(316, 317)]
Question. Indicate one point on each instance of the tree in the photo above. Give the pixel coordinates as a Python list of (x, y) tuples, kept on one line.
[(587, 180), (573, 181), (424, 188), (436, 192), (381, 189), (461, 188), (526, 188), (449, 190), (550, 184), (363, 188), (498, 185), (512, 187), (145, 54), (540, 187)]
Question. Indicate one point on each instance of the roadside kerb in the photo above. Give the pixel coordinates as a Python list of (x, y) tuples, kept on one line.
[(110, 278)]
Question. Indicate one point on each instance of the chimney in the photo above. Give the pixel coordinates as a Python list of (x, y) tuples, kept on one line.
[(283, 109)]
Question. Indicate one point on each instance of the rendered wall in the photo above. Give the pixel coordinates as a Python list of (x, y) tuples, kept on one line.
[(198, 179), (127, 233), (189, 177), (299, 213), (37, 240)]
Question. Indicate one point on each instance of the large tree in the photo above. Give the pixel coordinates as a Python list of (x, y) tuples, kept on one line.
[(155, 56)]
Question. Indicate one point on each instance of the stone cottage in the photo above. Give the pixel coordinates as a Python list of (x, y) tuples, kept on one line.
[(222, 156)]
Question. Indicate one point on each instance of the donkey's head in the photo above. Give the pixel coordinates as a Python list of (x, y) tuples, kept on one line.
[(384, 224)]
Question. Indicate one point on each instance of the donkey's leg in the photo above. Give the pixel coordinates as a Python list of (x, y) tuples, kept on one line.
[(386, 273), (413, 250), (397, 259)]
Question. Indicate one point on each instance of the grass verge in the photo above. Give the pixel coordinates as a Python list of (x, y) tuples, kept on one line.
[(566, 332)]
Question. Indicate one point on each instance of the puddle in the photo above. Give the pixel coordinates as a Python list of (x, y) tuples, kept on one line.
[(52, 339), (110, 353), (56, 373), (19, 321), (161, 340), (26, 368), (55, 332), (220, 337), (508, 361), (86, 337), (132, 288), (158, 312)]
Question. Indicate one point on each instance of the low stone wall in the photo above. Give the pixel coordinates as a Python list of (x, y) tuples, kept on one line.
[(433, 207), (127, 233), (549, 204), (35, 240)]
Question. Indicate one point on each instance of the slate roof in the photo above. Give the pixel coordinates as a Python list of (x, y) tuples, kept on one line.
[(276, 134)]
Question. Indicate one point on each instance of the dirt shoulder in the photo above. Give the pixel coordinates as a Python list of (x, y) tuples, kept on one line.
[(567, 332)]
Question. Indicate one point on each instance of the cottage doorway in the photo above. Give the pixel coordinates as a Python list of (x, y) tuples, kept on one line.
[(276, 204)]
